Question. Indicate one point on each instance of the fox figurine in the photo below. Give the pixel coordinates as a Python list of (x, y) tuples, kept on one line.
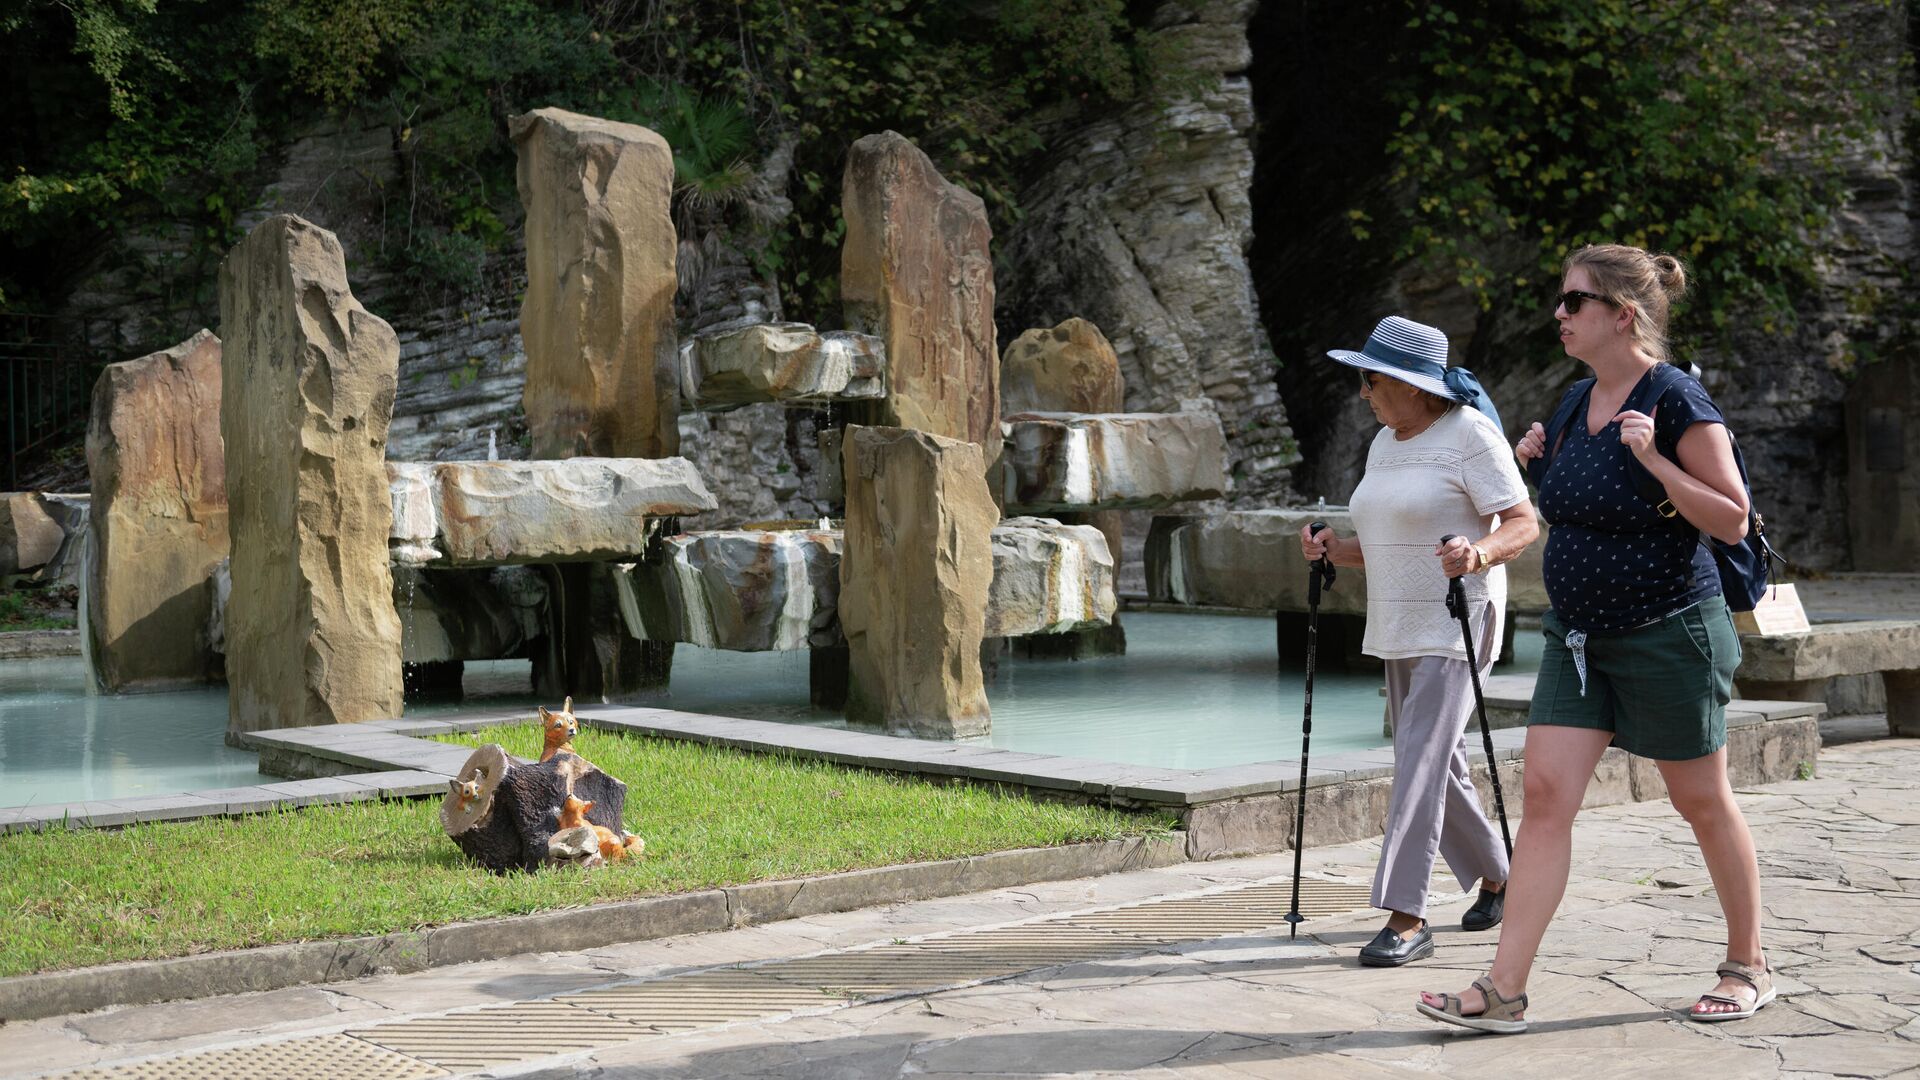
[(466, 793), (558, 730), (573, 814)]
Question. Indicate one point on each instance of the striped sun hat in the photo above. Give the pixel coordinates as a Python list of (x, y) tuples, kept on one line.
[(1416, 353)]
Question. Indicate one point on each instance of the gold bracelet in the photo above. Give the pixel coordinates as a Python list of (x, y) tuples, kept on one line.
[(1485, 560)]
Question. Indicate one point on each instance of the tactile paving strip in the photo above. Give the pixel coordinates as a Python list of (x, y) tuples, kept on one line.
[(892, 969), (708, 998), (331, 1056), (1237, 911), (1317, 897), (502, 1034), (507, 1034)]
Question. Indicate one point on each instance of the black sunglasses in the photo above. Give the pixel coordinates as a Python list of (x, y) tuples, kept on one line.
[(1573, 298)]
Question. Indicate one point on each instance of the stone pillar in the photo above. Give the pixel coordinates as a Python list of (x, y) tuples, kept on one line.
[(1070, 368), (914, 579), (598, 314), (602, 355), (307, 386), (916, 273), (159, 516)]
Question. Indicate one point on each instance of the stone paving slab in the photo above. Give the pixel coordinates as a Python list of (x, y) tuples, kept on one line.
[(1636, 939)]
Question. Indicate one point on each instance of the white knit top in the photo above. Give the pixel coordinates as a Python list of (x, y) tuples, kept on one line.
[(1450, 478)]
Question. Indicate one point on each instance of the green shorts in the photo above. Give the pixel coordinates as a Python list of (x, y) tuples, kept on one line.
[(1662, 689)]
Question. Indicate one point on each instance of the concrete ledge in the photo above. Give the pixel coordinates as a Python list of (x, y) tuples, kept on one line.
[(35, 644), (1758, 752), (221, 802), (274, 967)]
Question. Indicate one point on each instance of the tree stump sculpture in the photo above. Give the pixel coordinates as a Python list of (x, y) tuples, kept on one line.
[(504, 812)]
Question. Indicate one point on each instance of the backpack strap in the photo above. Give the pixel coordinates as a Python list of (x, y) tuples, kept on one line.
[(1556, 429), (1645, 397)]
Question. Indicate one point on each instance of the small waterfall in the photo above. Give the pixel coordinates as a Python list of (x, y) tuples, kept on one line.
[(795, 620), (697, 625), (1071, 603), (493, 449), (1177, 566), (1079, 480), (86, 629)]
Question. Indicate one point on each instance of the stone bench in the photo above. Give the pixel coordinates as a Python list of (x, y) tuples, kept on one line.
[(1796, 667)]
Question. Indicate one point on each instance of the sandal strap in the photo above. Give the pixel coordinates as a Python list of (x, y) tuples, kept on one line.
[(1746, 973), (1499, 1006), (1722, 999)]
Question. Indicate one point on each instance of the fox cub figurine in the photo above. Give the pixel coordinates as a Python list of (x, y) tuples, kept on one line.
[(573, 814), (558, 729), (467, 792)]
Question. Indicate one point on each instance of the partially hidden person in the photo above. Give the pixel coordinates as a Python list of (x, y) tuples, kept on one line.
[(1438, 467), (1640, 649)]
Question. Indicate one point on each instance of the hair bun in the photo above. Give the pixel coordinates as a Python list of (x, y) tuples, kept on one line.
[(1671, 275)]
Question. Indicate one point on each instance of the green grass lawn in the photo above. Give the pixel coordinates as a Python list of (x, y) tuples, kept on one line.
[(710, 817)]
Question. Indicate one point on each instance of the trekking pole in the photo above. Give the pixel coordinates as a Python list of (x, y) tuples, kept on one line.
[(1320, 571), (1457, 607)]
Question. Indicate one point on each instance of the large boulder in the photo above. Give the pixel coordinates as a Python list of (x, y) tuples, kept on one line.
[(1068, 368), (159, 516), (1068, 461), (785, 362), (914, 579), (916, 273), (739, 589), (598, 315), (492, 513), (40, 536), (1048, 578), (307, 386)]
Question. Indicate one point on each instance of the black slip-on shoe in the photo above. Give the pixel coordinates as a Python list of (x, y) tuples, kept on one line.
[(1388, 949), (1486, 912)]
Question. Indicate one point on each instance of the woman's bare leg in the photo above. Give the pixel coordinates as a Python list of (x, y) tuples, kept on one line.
[(1701, 791), (1559, 762)]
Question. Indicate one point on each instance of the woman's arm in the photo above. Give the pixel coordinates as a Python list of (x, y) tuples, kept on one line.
[(1705, 486), (1518, 527)]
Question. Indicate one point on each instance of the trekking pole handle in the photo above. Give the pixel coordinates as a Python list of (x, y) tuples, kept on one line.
[(1322, 572), (1456, 589)]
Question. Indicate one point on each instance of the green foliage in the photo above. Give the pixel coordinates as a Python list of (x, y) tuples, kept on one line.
[(711, 140), (330, 48), (140, 112), (1708, 128), (969, 85), (22, 609)]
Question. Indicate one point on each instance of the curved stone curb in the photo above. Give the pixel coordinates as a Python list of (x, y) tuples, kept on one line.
[(274, 967)]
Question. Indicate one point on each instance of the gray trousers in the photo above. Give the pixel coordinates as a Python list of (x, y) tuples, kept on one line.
[(1435, 808)]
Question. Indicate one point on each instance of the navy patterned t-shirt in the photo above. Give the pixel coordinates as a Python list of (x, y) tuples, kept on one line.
[(1612, 562)]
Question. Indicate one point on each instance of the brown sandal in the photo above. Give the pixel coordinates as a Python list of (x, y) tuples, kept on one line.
[(1501, 1015), (1760, 978)]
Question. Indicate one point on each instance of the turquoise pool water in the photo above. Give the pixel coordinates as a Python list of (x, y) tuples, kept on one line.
[(1193, 691)]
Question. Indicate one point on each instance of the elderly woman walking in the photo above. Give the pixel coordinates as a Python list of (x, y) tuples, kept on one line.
[(1438, 467), (1640, 650)]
